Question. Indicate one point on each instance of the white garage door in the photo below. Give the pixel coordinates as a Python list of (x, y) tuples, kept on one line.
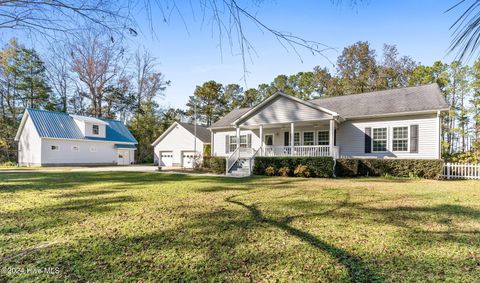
[(188, 159), (166, 158)]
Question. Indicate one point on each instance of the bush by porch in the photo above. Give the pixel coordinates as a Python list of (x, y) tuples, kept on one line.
[(323, 167), (317, 166)]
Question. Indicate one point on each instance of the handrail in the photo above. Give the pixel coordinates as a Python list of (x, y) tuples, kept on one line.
[(252, 159), (300, 150), (232, 159)]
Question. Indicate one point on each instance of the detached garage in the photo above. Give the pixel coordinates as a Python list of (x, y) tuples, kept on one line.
[(176, 146)]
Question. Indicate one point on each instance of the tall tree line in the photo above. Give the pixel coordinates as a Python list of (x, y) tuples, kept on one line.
[(358, 69), (92, 75)]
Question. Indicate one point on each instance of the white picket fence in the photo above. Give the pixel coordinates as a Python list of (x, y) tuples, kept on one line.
[(461, 171)]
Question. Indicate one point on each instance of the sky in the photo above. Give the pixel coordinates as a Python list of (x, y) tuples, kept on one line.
[(189, 52)]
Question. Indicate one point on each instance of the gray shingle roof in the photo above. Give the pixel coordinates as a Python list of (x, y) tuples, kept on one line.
[(400, 100), (203, 133), (62, 125), (228, 119)]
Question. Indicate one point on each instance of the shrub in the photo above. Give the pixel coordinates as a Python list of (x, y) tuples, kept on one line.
[(8, 164), (317, 166), (215, 164), (270, 171), (284, 171), (429, 169), (302, 171), (207, 149)]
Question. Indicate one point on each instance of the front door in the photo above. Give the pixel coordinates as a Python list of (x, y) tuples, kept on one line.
[(123, 157), (269, 140)]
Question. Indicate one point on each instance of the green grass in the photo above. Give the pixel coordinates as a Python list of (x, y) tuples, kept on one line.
[(129, 226)]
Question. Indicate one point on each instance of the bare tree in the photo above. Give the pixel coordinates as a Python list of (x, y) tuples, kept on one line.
[(150, 82), (96, 61), (59, 74), (48, 18), (228, 20)]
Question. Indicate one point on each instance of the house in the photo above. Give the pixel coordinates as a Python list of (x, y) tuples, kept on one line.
[(180, 145), (48, 138), (396, 123)]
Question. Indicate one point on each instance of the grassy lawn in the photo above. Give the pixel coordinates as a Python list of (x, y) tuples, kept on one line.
[(131, 226)]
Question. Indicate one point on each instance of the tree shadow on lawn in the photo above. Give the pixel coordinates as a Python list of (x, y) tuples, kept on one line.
[(13, 182), (357, 270), (426, 224), (32, 219)]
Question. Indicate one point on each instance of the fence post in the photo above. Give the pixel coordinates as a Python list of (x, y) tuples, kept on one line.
[(448, 170)]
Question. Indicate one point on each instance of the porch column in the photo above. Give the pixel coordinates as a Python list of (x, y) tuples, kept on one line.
[(261, 140), (212, 143), (331, 136), (292, 137), (238, 136)]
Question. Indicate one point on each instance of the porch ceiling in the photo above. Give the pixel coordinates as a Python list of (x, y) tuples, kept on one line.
[(318, 123)]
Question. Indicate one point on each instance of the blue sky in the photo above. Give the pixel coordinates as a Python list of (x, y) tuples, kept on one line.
[(420, 29)]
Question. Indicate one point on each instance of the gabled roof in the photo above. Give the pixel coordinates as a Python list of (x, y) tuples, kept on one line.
[(86, 119), (387, 102), (60, 125), (425, 98), (238, 114), (227, 120), (203, 134)]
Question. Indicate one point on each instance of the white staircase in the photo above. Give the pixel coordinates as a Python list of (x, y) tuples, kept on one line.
[(241, 168)]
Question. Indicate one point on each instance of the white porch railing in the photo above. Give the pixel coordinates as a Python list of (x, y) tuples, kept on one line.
[(304, 150), (461, 171)]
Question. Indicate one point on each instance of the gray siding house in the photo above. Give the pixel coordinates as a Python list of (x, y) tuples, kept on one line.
[(398, 123)]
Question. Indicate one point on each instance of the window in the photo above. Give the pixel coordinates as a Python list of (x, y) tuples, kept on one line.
[(296, 139), (268, 139), (233, 142), (55, 147), (323, 137), (400, 139), (243, 141), (379, 140), (95, 129), (308, 138), (93, 149), (75, 148)]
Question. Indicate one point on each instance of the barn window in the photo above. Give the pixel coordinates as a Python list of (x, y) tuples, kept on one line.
[(95, 129)]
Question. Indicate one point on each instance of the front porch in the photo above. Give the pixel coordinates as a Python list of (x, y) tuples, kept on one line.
[(295, 139), (301, 139), (300, 151)]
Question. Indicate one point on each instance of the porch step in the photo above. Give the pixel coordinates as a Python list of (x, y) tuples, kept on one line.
[(241, 168)]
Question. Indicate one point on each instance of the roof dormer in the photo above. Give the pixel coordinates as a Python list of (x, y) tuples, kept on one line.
[(90, 127)]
